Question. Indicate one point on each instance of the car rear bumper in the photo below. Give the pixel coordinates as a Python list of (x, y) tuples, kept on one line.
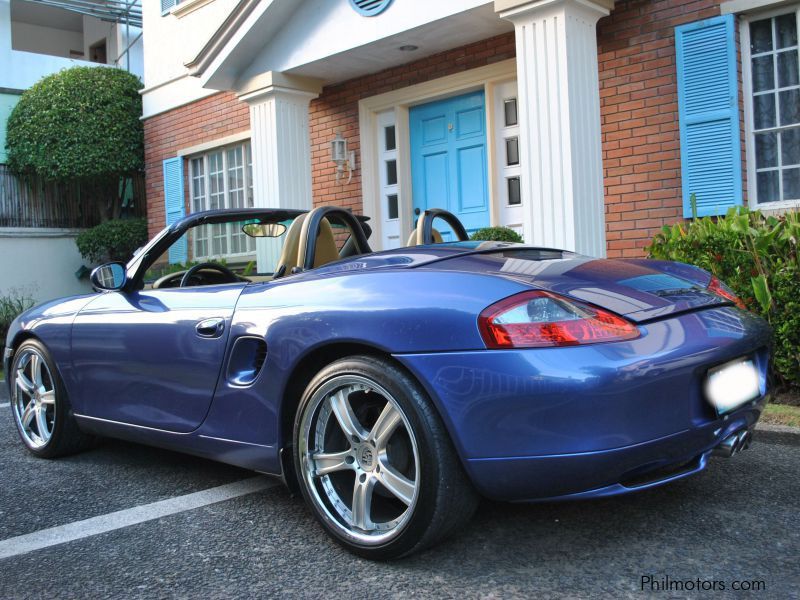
[(587, 421), (608, 472)]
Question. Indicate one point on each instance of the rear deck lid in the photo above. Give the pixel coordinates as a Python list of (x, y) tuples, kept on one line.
[(639, 289)]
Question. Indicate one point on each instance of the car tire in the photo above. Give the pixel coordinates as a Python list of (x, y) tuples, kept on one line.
[(374, 461), (39, 404)]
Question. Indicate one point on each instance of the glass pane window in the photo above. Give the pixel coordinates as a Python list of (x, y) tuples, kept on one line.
[(222, 178), (392, 210), (391, 172), (775, 75), (514, 197), (786, 30), (510, 107), (512, 151), (761, 36), (389, 138)]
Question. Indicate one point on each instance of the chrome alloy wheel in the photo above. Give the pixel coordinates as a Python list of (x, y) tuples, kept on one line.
[(34, 398), (360, 459)]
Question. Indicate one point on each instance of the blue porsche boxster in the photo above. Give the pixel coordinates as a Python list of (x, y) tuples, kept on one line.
[(394, 388)]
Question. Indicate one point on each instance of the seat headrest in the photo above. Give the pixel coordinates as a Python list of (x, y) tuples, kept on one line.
[(291, 248), (325, 250), (416, 237)]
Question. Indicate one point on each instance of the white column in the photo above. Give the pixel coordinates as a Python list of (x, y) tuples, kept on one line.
[(559, 116), (281, 149)]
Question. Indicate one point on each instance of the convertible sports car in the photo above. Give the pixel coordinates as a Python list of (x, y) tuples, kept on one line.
[(394, 388)]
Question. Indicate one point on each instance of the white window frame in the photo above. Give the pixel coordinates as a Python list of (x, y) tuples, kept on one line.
[(390, 228), (511, 215), (747, 85), (247, 183)]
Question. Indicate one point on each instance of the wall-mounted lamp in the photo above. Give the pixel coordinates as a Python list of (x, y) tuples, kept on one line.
[(343, 159)]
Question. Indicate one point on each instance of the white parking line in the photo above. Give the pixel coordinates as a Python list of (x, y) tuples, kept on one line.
[(132, 516), (5, 404)]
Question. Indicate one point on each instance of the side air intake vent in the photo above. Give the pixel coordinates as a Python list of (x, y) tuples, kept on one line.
[(246, 361)]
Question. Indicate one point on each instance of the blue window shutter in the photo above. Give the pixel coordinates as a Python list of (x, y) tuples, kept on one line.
[(708, 108), (174, 205)]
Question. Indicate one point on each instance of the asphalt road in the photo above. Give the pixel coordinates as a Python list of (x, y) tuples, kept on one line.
[(736, 522)]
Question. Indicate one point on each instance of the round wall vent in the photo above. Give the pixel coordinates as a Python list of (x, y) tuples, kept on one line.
[(370, 8)]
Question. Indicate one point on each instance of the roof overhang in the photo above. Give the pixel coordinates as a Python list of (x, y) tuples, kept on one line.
[(328, 42)]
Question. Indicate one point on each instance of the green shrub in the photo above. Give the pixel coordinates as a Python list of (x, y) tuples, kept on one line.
[(757, 256), (496, 234), (80, 125), (11, 305), (112, 240)]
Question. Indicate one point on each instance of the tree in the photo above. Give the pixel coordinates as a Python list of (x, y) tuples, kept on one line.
[(80, 125)]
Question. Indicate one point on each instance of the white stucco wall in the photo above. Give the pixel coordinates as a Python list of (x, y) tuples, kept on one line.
[(35, 38), (40, 263), (19, 69), (172, 41)]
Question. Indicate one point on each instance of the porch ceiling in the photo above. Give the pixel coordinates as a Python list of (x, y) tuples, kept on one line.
[(328, 41), (454, 31)]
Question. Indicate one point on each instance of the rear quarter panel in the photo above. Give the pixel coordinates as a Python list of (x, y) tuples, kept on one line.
[(394, 311)]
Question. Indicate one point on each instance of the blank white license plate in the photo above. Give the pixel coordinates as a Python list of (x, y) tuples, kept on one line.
[(733, 384)]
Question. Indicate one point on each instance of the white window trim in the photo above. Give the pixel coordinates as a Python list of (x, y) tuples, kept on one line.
[(246, 183), (401, 100), (390, 228), (230, 140), (747, 90), (510, 215)]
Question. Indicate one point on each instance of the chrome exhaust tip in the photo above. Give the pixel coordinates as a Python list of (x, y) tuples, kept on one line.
[(727, 447), (733, 444), (744, 441)]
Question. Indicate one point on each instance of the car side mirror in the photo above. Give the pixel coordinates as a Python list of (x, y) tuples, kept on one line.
[(109, 277)]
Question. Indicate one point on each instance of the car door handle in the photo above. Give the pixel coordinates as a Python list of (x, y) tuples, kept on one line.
[(210, 328)]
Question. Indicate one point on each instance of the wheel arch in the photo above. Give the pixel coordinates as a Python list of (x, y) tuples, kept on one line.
[(311, 364), (21, 336)]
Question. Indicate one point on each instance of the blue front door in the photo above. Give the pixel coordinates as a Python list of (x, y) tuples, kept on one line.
[(448, 159)]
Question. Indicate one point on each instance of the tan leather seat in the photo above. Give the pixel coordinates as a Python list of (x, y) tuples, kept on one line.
[(326, 250), (417, 236), (294, 246)]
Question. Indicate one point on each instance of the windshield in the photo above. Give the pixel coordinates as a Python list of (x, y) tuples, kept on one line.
[(250, 248), (226, 244)]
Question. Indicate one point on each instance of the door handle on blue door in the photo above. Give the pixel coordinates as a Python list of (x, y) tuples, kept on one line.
[(211, 328)]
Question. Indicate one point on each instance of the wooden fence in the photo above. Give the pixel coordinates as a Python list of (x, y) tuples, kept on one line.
[(37, 203)]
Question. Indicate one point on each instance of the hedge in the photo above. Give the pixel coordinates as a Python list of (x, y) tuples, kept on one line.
[(496, 234), (757, 256), (112, 240)]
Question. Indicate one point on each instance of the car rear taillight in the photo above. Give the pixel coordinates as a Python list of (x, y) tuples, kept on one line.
[(723, 291), (538, 319)]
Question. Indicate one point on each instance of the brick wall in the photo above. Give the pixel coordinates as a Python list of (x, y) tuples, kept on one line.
[(203, 121), (639, 112), (337, 109)]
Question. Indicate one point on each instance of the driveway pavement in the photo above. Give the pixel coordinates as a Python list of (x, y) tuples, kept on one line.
[(196, 535)]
